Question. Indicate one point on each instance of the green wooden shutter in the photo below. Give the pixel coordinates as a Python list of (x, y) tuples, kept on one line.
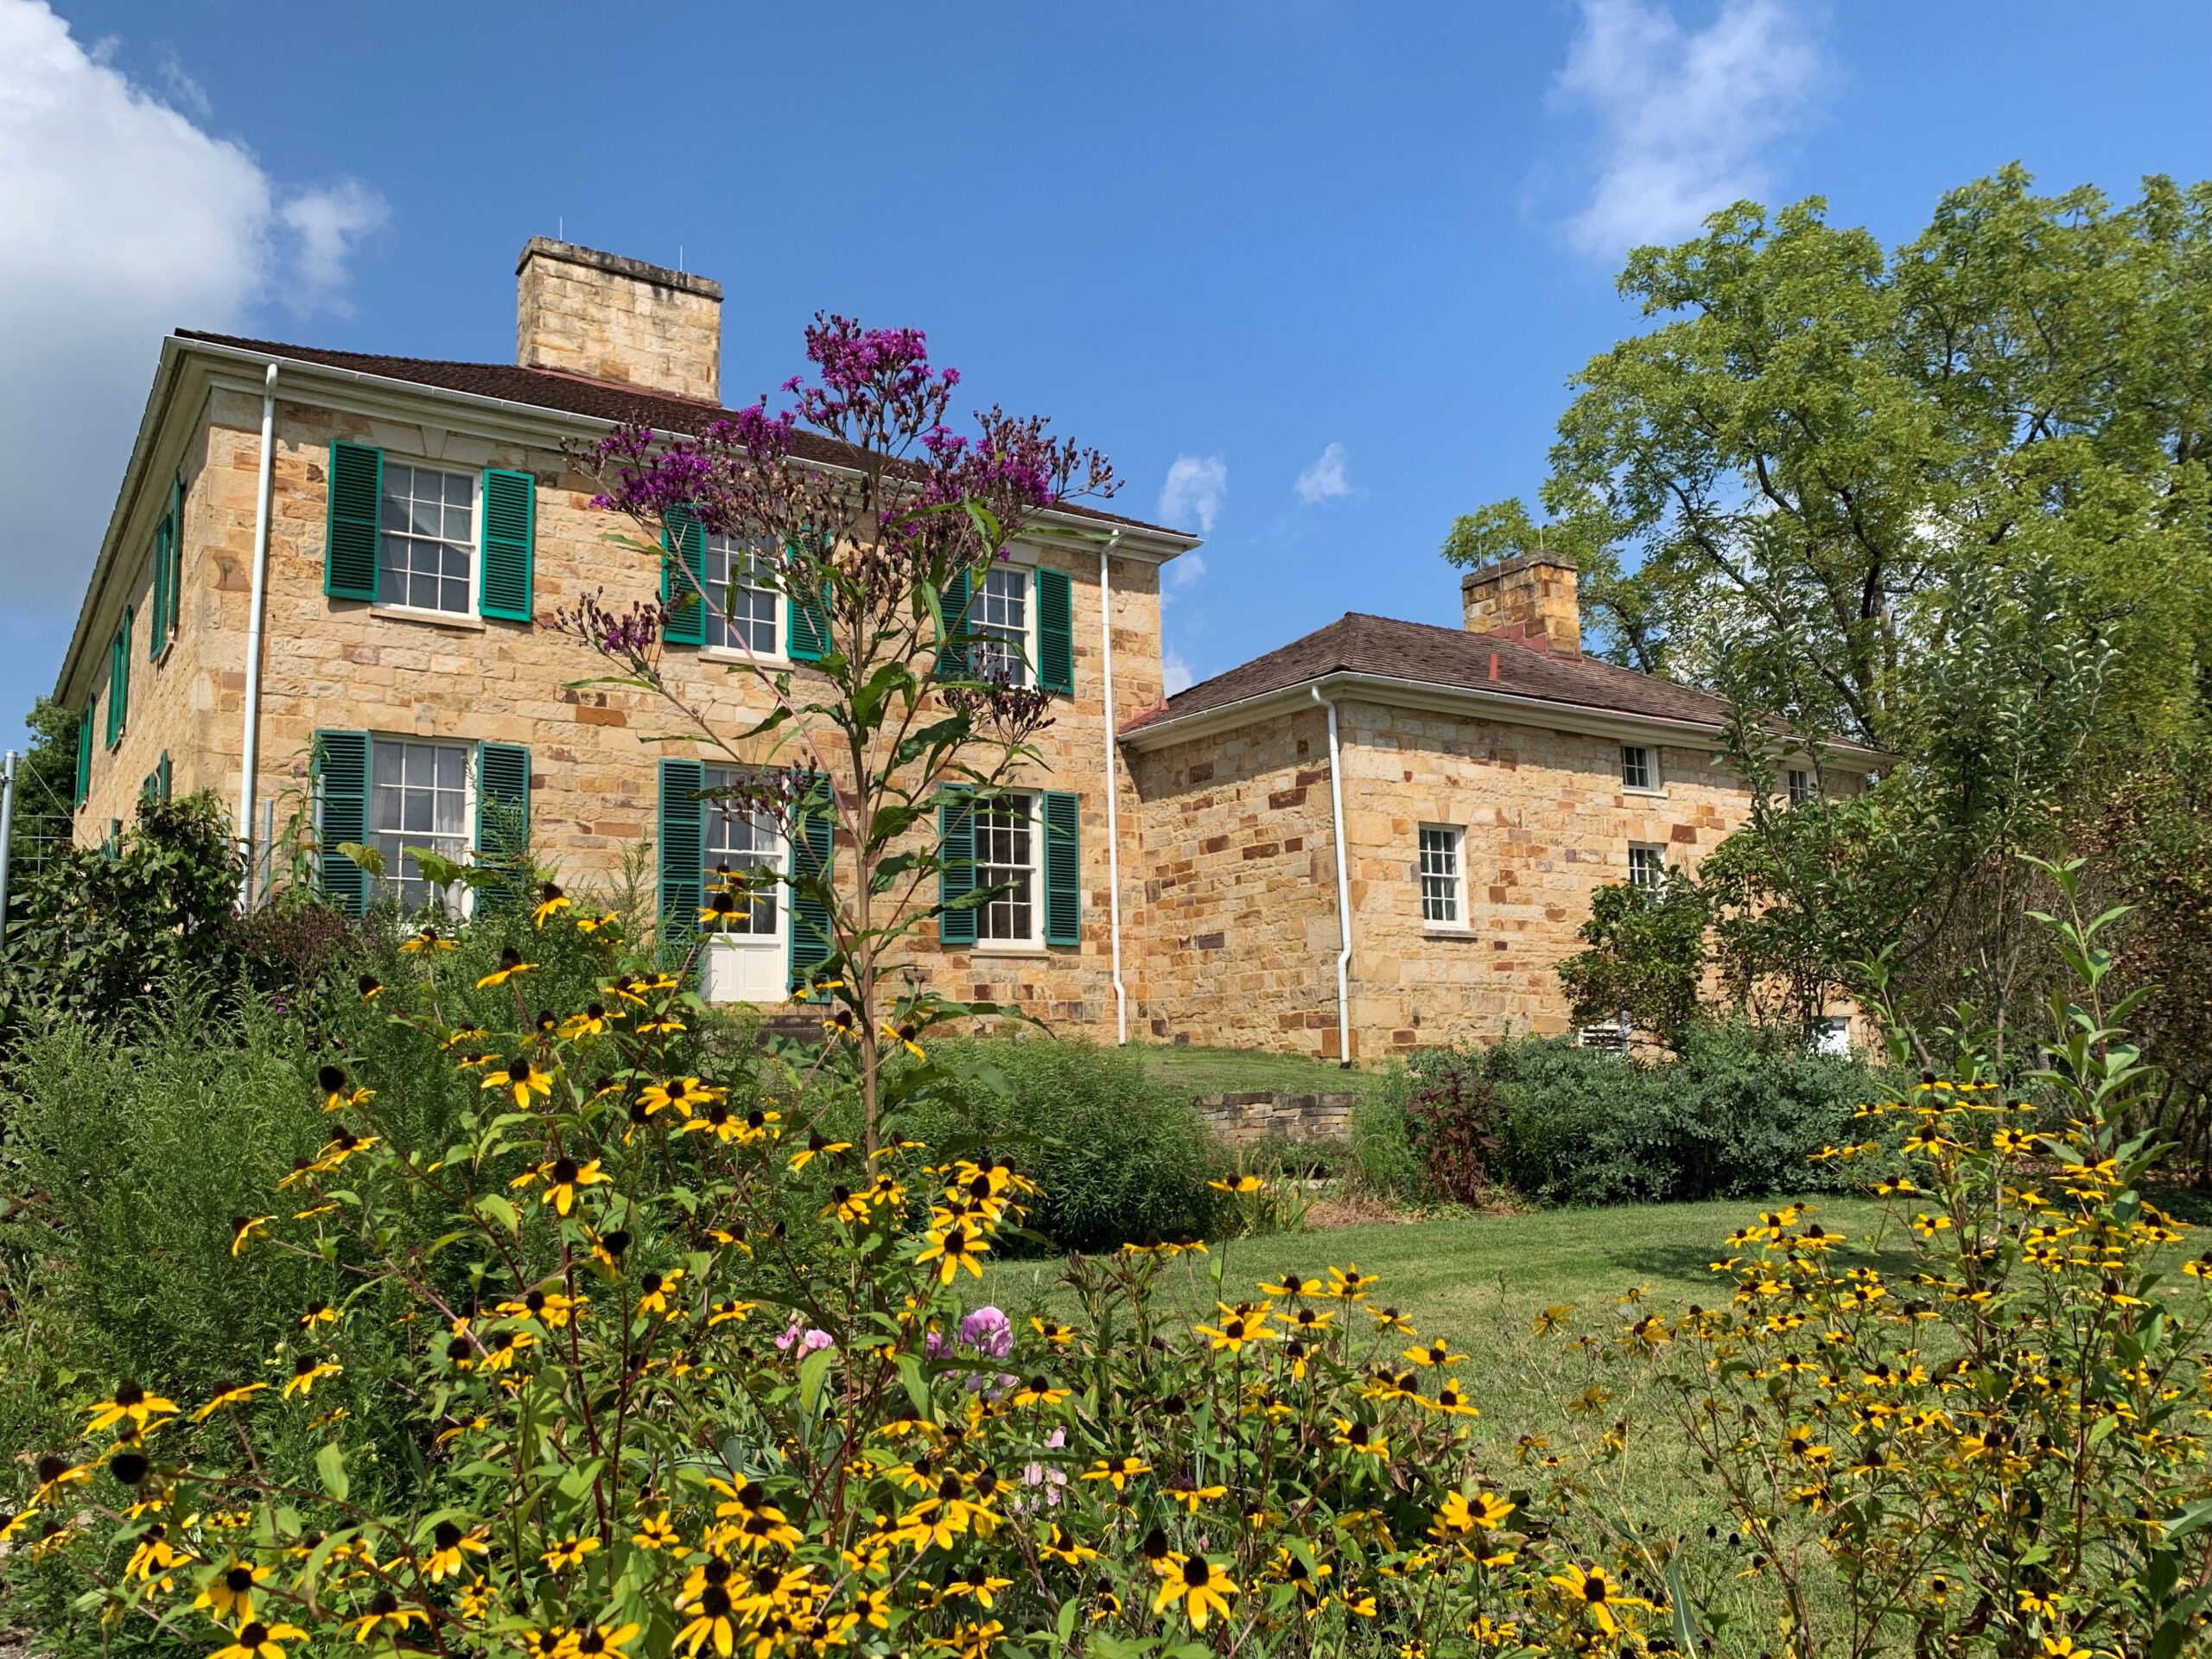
[(1063, 868), (812, 843), (682, 534), (809, 630), (1055, 632), (502, 822), (509, 530), (175, 590), (682, 856), (955, 834), (163, 772), (119, 681), (111, 731), (952, 660), (341, 775), (349, 559), (84, 752), (157, 612)]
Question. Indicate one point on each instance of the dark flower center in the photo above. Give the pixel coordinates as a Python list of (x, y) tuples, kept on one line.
[(253, 1634), (717, 1571), (715, 1602), (615, 1242), (591, 1641), (458, 1348), (128, 1394), (564, 1171), (331, 1078), (304, 1364), (239, 1579), (384, 1602), (651, 1284), (1197, 1572), (446, 1535), (128, 1467)]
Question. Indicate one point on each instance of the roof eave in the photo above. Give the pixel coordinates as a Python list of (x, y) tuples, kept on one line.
[(1514, 708)]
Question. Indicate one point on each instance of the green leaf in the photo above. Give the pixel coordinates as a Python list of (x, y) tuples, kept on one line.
[(370, 860), (500, 1209), (330, 1463), (812, 1370)]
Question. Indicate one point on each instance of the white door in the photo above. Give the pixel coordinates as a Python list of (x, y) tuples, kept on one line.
[(749, 961)]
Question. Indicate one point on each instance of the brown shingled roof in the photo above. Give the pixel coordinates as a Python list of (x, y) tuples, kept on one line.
[(573, 394), (1359, 644)]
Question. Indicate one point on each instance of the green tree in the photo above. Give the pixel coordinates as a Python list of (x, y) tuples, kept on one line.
[(1773, 491), (1645, 957)]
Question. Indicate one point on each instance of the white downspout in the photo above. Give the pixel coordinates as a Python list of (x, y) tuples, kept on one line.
[(1343, 888), (1113, 836), (250, 746)]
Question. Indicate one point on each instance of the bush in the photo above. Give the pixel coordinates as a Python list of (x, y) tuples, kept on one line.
[(1382, 1156), (1119, 1155), (1451, 1125), (1738, 1115)]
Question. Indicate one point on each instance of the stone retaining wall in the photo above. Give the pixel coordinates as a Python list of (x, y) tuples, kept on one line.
[(1245, 1120)]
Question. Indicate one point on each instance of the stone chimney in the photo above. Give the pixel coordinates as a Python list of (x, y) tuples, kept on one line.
[(1530, 598), (609, 318)]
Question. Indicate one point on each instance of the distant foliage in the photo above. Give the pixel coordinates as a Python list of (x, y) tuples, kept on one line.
[(1451, 1125), (1119, 1155), (1645, 956)]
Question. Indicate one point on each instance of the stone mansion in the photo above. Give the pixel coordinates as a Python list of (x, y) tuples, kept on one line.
[(1380, 835)]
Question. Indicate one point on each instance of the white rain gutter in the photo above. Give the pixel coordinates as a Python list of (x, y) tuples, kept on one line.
[(1343, 887), (251, 747), (1113, 836)]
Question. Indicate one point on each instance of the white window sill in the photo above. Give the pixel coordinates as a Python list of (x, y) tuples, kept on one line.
[(1008, 947), (1447, 931), (726, 654), (436, 619), (1647, 794)]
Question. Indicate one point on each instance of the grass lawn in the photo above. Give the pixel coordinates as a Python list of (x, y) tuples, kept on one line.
[(1245, 1070), (1482, 1281)]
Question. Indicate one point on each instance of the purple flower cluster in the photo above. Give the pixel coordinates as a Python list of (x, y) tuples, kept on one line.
[(629, 636)]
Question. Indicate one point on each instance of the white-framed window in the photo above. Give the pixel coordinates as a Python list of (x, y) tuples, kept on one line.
[(1000, 613), (744, 612), (1831, 1036), (743, 841), (1007, 849), (1443, 879), (426, 539), (420, 795), (1799, 782), (1639, 768), (1647, 865)]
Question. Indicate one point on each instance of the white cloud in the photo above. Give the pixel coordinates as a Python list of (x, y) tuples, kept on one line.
[(1196, 488), (1328, 477), (119, 219), (327, 223), (184, 92), (1178, 674), (1684, 119), (1186, 569)]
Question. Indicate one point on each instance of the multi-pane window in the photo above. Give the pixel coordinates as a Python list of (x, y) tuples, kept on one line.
[(747, 610), (1801, 788), (1439, 874), (999, 617), (1647, 866), (418, 797), (426, 541), (743, 841), (1005, 857), (1636, 770)]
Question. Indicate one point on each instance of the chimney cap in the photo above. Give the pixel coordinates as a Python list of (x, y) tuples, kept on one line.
[(1541, 558), (544, 247)]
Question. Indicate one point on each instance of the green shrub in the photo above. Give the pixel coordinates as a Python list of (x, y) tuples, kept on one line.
[(1118, 1154), (1382, 1158), (1735, 1115)]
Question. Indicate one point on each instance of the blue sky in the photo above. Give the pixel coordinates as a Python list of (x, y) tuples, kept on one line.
[(1314, 273)]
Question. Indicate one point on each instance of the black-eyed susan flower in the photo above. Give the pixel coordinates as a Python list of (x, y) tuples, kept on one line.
[(561, 1177), (1058, 1335), (1039, 1391), (1451, 1400), (816, 1146), (449, 1545), (370, 987), (907, 1034), (520, 1077), (426, 940), (1598, 1594), (132, 1403), (1243, 1187), (1349, 1284), (154, 1555), (655, 1288), (1199, 1587), (385, 1615), (257, 1640), (317, 1313), (592, 1641), (1460, 1515), (1362, 1438), (307, 1371), (1190, 1497), (511, 964), (655, 1532), (1437, 1353), (1238, 1326), (681, 1095), (1118, 1471), (711, 1624), (566, 1553), (551, 901), (227, 1394), (731, 1312), (246, 1229), (228, 1592), (954, 1247), (592, 1022), (1291, 1283)]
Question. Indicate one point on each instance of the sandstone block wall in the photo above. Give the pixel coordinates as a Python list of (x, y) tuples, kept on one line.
[(338, 664)]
